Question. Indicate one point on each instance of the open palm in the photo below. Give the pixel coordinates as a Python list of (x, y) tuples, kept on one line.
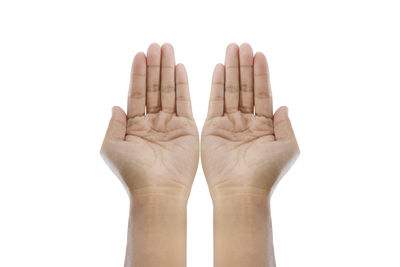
[(242, 150), (156, 151)]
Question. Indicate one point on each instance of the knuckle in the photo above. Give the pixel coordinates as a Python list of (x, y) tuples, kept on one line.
[(246, 87), (232, 88), (217, 98), (137, 94), (166, 88), (263, 95), (153, 87), (182, 99)]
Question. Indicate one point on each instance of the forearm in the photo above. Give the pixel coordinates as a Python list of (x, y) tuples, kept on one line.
[(243, 231), (157, 231)]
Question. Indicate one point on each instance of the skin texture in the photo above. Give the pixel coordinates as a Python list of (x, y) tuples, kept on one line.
[(246, 149), (154, 149)]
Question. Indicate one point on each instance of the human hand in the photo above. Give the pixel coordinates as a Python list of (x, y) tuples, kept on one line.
[(242, 151), (156, 151)]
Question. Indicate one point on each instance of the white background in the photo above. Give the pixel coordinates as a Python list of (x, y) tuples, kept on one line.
[(64, 64)]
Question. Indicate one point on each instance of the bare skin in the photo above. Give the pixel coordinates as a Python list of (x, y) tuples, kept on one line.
[(154, 150), (246, 149)]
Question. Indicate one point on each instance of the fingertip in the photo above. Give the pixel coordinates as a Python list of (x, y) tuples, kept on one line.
[(167, 55), (232, 46), (153, 47), (153, 54), (259, 54), (260, 57), (139, 59), (139, 64), (117, 125), (116, 110), (113, 111), (167, 44), (282, 125), (260, 64), (140, 55), (180, 67), (284, 110), (219, 67), (246, 53), (281, 112), (167, 47), (219, 72), (245, 46), (232, 50), (180, 72)]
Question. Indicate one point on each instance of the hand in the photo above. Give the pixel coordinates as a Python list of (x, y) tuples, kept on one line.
[(156, 151), (244, 151)]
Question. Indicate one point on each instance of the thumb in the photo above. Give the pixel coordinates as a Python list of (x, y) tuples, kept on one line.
[(117, 126), (282, 126)]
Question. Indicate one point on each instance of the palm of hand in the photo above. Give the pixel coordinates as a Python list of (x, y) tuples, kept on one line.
[(245, 147), (159, 150), (240, 150), (156, 151)]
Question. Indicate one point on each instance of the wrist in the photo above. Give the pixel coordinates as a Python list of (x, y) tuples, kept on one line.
[(158, 201), (157, 230), (172, 192), (242, 203), (241, 208), (242, 229), (226, 192)]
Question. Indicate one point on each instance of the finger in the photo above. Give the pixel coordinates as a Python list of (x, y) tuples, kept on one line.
[(262, 87), (167, 79), (183, 104), (153, 98), (117, 126), (137, 87), (246, 79), (216, 104), (282, 127), (232, 78)]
